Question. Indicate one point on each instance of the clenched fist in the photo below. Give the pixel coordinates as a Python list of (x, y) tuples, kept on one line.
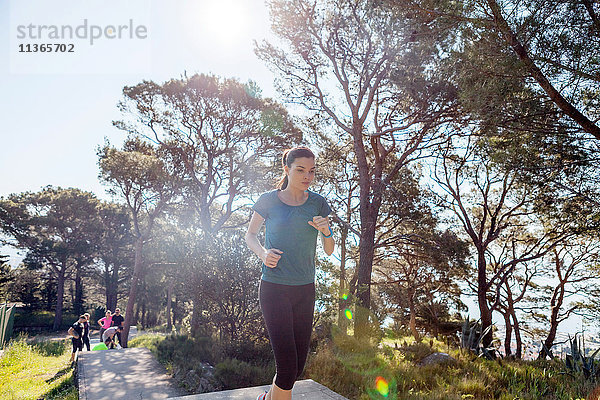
[(321, 224), (271, 257)]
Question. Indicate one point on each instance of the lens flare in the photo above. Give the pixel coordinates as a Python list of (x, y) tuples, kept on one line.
[(348, 314), (382, 386), (345, 296)]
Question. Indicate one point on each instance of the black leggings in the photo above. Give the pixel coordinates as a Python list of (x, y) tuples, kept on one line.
[(77, 344), (86, 341), (288, 313)]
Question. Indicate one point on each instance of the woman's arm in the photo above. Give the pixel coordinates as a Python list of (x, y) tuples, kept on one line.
[(72, 333), (322, 225), (268, 257), (328, 244)]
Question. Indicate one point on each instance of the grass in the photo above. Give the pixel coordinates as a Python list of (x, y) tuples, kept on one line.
[(40, 370), (362, 371), (388, 370)]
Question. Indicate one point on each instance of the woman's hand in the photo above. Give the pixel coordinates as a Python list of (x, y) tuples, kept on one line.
[(321, 224), (271, 257)]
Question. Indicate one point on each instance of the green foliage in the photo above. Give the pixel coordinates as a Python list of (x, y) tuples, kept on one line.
[(149, 341), (233, 374), (415, 351), (41, 319), (36, 371), (326, 368), (185, 351), (471, 338), (578, 362), (352, 369), (52, 348), (99, 313), (253, 353), (59, 228), (6, 276), (238, 364)]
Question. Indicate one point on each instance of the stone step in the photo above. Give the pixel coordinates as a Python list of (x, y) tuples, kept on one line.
[(306, 390)]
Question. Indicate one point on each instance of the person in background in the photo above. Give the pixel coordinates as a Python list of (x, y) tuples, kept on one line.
[(105, 322), (76, 333), (117, 320), (86, 331), (108, 337)]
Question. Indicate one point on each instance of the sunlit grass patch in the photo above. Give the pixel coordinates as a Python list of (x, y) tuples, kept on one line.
[(34, 371), (148, 340)]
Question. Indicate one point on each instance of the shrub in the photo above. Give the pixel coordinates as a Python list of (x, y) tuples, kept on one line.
[(53, 348), (186, 351), (41, 319), (416, 351), (253, 353), (233, 374)]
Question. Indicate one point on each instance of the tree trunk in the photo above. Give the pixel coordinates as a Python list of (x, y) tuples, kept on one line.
[(508, 335), (344, 291), (60, 292), (139, 243), (78, 301), (196, 311), (111, 280), (169, 297), (413, 316), (175, 311), (567, 107), (144, 321), (484, 308), (366, 250), (517, 328), (555, 305)]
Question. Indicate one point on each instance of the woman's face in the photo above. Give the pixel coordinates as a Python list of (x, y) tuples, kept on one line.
[(108, 313), (301, 173)]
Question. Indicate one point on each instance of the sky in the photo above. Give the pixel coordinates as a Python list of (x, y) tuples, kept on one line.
[(57, 108), (55, 114)]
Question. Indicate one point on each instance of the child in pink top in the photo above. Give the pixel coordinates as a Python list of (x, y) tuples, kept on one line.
[(105, 322)]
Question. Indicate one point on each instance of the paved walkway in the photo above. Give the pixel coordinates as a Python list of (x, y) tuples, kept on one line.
[(123, 374), (305, 390)]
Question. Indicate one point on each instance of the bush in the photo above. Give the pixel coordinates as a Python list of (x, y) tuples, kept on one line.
[(233, 374), (253, 353), (178, 350), (186, 351), (53, 348), (41, 320), (99, 312), (416, 351)]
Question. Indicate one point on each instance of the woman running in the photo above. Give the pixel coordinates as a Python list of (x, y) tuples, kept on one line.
[(293, 218)]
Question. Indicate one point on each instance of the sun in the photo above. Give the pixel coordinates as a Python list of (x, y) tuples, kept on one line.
[(224, 21)]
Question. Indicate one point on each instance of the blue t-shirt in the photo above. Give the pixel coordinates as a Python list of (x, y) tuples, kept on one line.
[(287, 229)]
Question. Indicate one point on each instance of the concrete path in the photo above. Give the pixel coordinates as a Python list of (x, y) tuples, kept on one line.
[(123, 374), (305, 390)]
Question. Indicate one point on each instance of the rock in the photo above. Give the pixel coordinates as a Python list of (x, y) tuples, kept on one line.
[(438, 358), (190, 380), (198, 380), (205, 385)]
